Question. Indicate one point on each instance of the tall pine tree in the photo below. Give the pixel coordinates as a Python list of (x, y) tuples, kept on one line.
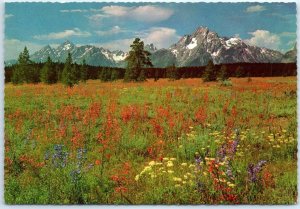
[(223, 74), (69, 74), (137, 59), (210, 73), (23, 72), (48, 72), (83, 71)]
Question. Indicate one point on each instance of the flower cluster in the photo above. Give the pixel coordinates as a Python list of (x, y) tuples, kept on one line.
[(254, 170), (169, 170), (280, 139), (59, 156)]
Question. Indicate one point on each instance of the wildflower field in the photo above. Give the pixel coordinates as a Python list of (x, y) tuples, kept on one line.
[(164, 142)]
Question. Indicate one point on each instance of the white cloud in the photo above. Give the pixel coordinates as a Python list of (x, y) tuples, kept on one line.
[(288, 34), (264, 38), (121, 44), (114, 30), (8, 16), (73, 10), (256, 8), (161, 37), (63, 34), (13, 47), (146, 13)]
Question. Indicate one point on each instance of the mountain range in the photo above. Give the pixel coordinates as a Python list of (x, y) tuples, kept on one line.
[(195, 49)]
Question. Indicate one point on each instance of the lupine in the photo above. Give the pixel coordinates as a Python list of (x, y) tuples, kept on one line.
[(59, 158), (81, 156), (198, 168), (222, 153), (75, 175), (254, 170)]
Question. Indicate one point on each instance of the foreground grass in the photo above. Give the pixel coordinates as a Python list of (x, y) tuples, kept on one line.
[(165, 142)]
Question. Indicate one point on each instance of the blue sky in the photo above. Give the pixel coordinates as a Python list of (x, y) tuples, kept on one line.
[(115, 25)]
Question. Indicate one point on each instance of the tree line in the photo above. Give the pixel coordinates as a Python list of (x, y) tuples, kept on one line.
[(139, 68)]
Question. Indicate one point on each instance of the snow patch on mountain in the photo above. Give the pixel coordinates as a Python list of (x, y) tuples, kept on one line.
[(175, 52), (192, 44), (119, 57)]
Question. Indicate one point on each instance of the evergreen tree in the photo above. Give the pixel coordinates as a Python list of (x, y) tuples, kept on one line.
[(239, 72), (136, 60), (105, 74), (156, 75), (142, 76), (69, 73), (210, 72), (83, 72), (23, 71), (48, 72), (223, 74), (172, 73), (115, 75)]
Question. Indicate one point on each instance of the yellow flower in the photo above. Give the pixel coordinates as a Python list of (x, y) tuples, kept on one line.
[(147, 168), (191, 166), (153, 176), (204, 173), (177, 179), (137, 177), (231, 185), (170, 171), (170, 164), (183, 182), (185, 177), (165, 158), (152, 163), (173, 159), (183, 164)]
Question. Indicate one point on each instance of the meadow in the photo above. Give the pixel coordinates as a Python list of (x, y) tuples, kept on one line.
[(164, 142)]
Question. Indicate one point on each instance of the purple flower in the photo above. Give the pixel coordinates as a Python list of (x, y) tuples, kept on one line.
[(254, 170), (59, 157), (222, 153)]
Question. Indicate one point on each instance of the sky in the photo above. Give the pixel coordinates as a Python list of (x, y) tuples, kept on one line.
[(115, 25)]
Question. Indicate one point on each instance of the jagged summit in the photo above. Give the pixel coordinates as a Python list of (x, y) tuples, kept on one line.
[(204, 45), (150, 47), (93, 55)]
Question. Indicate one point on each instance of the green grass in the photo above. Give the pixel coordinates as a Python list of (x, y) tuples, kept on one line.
[(123, 127)]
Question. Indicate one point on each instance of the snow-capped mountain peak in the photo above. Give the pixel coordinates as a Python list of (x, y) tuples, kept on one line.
[(204, 45), (92, 54), (195, 49)]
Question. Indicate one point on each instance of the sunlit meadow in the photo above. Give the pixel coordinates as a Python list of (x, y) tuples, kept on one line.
[(164, 142)]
